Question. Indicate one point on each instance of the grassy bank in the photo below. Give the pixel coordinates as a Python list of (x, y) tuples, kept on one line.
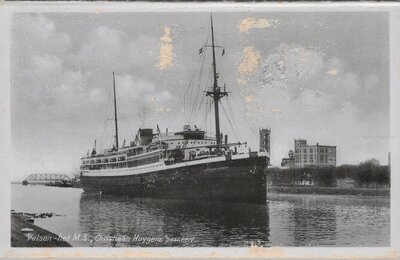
[(329, 190), (39, 237)]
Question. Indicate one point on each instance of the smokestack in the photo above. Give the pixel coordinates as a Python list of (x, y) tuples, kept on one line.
[(226, 139)]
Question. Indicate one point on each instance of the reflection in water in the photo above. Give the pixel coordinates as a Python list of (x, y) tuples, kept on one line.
[(314, 222), (329, 220), (287, 220), (155, 222)]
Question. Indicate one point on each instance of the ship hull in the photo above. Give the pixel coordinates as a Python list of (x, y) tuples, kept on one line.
[(241, 180)]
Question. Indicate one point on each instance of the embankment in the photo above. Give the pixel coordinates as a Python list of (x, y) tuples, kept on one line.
[(329, 190), (39, 237)]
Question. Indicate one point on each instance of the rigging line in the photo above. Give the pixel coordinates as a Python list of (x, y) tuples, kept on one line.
[(106, 120), (211, 115), (205, 88), (128, 126), (103, 140), (201, 101), (233, 128), (182, 100), (229, 101), (101, 143), (233, 116), (199, 82), (200, 78), (188, 97), (195, 99), (241, 112), (110, 136), (184, 97), (205, 115), (104, 132), (105, 136), (122, 116), (189, 103), (248, 123), (125, 132)]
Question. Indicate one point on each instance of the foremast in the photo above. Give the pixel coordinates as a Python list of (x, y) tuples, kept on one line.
[(216, 92), (115, 115)]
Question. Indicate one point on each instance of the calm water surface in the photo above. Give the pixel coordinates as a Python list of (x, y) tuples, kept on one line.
[(287, 220)]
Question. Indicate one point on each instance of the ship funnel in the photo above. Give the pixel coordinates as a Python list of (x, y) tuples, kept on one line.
[(146, 136)]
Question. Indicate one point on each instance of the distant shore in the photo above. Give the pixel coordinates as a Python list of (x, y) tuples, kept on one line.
[(39, 237), (329, 190)]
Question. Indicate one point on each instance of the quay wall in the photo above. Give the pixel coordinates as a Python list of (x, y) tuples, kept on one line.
[(329, 190)]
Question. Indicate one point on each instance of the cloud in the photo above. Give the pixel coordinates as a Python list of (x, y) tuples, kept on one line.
[(293, 80), (105, 50), (143, 98), (290, 66), (38, 34), (97, 96), (64, 75), (297, 69)]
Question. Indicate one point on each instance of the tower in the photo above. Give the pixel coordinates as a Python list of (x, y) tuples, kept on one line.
[(265, 142)]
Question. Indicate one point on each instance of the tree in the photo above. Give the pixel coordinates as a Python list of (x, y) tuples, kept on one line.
[(368, 170)]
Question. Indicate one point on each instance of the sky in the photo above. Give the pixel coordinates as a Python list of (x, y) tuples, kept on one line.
[(322, 76)]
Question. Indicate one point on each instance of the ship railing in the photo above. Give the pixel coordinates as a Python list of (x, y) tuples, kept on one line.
[(211, 146)]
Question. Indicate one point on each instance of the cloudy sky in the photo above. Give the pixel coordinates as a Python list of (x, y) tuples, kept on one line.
[(319, 76)]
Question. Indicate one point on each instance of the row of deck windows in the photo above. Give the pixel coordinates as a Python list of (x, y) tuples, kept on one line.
[(194, 143), (120, 159), (121, 165)]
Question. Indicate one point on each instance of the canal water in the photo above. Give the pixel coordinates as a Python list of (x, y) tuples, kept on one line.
[(286, 220)]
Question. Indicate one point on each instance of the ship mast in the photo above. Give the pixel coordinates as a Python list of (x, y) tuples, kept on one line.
[(115, 115), (216, 92)]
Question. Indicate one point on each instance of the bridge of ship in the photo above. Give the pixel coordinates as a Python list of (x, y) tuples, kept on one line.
[(46, 177)]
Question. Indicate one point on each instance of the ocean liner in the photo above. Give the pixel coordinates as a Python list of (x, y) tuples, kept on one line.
[(182, 165)]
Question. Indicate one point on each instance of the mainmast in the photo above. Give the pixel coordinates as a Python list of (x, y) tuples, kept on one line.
[(115, 115), (216, 92)]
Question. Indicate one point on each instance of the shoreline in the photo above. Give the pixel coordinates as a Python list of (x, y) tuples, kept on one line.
[(384, 192), (39, 237)]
